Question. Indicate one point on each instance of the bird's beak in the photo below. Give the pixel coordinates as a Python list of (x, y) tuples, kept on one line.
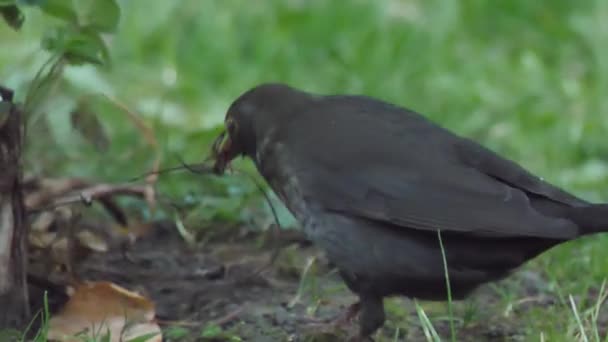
[(222, 153)]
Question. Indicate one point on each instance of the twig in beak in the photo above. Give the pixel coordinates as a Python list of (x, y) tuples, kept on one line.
[(194, 168), (217, 144)]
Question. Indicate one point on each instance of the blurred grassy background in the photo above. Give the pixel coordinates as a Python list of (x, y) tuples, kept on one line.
[(527, 78)]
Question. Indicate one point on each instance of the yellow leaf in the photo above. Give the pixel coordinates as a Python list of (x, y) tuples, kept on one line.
[(97, 308)]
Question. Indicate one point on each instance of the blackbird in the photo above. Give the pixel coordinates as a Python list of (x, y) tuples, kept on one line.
[(372, 184)]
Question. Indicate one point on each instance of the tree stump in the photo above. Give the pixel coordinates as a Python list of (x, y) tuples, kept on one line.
[(14, 299)]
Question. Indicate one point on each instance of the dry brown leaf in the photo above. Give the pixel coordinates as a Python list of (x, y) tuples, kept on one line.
[(62, 249), (87, 123), (59, 252), (47, 189), (134, 231), (38, 239), (92, 241), (43, 222), (139, 229), (98, 308)]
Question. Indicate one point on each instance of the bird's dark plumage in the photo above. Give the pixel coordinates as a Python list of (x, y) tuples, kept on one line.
[(372, 183)]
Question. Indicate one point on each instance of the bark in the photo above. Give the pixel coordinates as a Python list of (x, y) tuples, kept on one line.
[(14, 301)]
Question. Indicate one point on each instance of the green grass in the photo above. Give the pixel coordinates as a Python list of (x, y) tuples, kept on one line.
[(526, 78), (448, 288)]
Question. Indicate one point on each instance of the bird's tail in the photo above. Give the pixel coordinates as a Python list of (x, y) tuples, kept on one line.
[(591, 218)]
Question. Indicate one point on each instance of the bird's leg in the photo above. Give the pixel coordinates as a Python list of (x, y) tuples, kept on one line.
[(371, 316), (347, 316), (337, 325)]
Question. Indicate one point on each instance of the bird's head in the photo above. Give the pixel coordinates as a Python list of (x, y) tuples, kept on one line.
[(251, 118)]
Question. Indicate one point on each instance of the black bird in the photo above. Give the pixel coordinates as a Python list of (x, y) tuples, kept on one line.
[(372, 184)]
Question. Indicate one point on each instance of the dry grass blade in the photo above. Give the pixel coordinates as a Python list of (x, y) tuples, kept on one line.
[(146, 132), (579, 322), (305, 274)]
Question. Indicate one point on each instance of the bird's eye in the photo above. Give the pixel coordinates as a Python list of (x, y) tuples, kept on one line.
[(231, 126)]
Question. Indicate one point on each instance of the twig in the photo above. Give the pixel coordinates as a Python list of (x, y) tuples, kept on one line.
[(48, 189), (276, 228), (229, 317), (95, 192), (189, 324), (203, 168), (207, 274), (150, 138)]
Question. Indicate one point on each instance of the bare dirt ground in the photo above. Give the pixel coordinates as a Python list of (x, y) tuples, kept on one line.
[(216, 284)]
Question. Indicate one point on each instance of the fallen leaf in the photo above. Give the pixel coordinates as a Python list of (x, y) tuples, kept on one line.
[(87, 123), (41, 240), (92, 241), (102, 308), (43, 222)]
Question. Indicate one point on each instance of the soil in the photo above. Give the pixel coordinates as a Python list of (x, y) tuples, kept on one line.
[(217, 284)]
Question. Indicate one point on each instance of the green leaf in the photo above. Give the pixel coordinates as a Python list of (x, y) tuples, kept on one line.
[(53, 40), (102, 15), (78, 46), (176, 333), (215, 332), (12, 15), (101, 44), (106, 337), (62, 9), (7, 3), (29, 2), (81, 49), (211, 331)]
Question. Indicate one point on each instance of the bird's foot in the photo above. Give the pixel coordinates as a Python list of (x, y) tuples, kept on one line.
[(327, 332), (347, 316), (341, 320), (358, 338), (338, 326)]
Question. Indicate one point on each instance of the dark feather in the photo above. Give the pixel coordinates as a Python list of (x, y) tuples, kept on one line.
[(411, 181)]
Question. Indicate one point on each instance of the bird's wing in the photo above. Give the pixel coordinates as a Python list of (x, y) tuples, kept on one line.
[(473, 204), (491, 164), (397, 168)]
